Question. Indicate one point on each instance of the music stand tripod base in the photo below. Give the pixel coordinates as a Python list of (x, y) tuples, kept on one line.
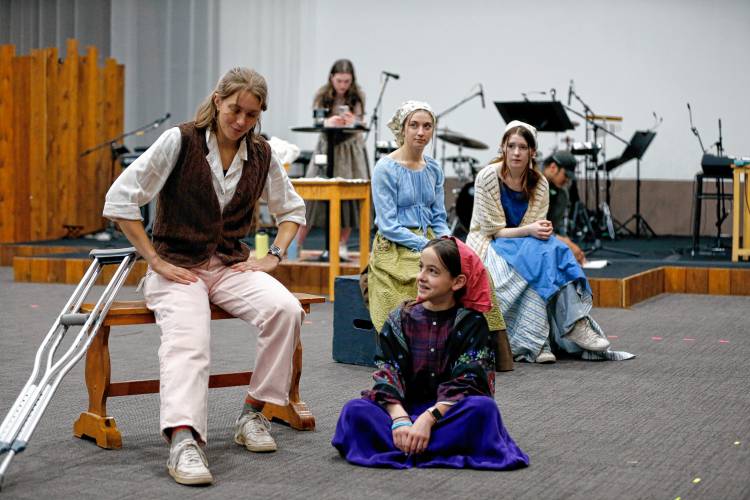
[(597, 245)]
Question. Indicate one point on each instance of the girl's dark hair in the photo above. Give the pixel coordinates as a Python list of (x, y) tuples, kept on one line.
[(447, 251), (531, 176), (326, 95)]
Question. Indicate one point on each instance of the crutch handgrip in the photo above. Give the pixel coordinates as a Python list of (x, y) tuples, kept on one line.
[(111, 255), (74, 319)]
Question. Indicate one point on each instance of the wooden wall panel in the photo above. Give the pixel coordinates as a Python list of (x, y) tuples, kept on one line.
[(674, 279), (53, 211), (739, 282), (696, 280), (718, 281), (50, 112), (36, 157), (610, 292), (20, 157), (642, 286), (7, 146)]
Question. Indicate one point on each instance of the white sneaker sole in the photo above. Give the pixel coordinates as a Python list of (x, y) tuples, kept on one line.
[(255, 447), (191, 480)]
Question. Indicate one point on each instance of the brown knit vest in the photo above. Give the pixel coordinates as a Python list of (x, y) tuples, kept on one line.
[(189, 227)]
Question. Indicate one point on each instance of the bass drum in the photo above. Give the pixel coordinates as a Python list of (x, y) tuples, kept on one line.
[(465, 204)]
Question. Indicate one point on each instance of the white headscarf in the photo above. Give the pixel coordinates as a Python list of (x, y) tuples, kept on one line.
[(396, 124), (518, 123)]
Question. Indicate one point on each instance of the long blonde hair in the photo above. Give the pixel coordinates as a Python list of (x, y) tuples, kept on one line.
[(235, 80)]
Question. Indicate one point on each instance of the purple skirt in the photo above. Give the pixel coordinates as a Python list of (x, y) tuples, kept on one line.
[(470, 436)]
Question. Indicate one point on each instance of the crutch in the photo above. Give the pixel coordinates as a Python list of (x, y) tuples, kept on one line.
[(24, 415)]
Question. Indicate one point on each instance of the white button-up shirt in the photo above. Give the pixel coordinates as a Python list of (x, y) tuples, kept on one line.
[(144, 178)]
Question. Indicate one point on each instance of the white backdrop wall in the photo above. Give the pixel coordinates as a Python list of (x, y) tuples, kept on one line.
[(627, 58)]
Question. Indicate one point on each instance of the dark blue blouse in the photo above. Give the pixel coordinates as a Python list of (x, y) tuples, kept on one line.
[(514, 205)]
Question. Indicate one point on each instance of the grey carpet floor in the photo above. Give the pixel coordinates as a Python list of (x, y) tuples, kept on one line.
[(674, 422)]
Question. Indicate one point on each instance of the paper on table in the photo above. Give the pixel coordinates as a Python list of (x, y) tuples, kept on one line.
[(595, 264)]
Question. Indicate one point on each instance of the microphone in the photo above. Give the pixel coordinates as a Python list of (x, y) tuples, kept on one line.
[(481, 94), (570, 91), (392, 75), (161, 120)]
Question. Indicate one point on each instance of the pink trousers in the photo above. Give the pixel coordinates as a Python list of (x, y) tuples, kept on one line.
[(183, 315)]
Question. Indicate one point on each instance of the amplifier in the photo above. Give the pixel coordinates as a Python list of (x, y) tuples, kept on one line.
[(717, 166)]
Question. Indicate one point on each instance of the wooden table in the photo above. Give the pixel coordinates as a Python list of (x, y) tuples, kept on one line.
[(741, 209), (335, 191)]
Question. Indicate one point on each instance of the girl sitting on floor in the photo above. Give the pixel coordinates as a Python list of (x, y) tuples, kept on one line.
[(432, 404)]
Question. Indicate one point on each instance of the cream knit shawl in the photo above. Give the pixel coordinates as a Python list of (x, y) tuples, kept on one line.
[(488, 216)]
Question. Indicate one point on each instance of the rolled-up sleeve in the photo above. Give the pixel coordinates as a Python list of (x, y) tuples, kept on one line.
[(144, 178), (283, 201)]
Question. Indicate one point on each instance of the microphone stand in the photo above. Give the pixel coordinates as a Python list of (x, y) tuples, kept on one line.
[(117, 150), (597, 244), (446, 111), (373, 125)]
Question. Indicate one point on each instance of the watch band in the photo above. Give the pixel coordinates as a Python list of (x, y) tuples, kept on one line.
[(435, 413), (276, 252)]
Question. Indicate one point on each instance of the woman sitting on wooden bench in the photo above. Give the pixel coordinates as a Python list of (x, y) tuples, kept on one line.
[(208, 175)]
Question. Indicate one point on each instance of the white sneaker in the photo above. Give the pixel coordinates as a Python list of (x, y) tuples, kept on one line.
[(187, 463), (586, 338), (251, 431), (545, 357), (343, 251)]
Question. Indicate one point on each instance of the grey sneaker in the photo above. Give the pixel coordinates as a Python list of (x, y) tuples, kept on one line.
[(586, 338), (251, 431), (546, 357), (187, 464)]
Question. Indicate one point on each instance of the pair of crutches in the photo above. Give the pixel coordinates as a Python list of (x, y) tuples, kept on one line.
[(24, 415)]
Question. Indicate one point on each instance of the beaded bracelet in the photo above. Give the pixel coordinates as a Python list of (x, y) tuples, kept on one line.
[(396, 425)]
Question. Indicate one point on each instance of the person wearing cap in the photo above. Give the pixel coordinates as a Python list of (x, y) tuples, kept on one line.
[(432, 401), (559, 170), (544, 296)]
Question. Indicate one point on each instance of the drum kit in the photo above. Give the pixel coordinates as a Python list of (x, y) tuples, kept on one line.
[(466, 168)]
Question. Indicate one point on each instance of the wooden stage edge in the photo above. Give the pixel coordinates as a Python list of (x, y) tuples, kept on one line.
[(312, 277)]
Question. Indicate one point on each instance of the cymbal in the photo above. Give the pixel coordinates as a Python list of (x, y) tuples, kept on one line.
[(460, 140)]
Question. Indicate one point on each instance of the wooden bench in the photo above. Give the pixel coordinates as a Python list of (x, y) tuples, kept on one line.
[(95, 423)]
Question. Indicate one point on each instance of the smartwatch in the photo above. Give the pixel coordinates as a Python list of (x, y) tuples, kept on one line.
[(435, 413), (276, 252)]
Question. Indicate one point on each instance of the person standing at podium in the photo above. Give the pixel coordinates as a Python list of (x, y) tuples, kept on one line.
[(344, 102)]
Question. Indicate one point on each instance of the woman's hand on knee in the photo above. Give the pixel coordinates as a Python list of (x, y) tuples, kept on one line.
[(541, 229), (172, 272), (267, 264)]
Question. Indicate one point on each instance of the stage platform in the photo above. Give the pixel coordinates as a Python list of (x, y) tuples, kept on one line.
[(664, 266)]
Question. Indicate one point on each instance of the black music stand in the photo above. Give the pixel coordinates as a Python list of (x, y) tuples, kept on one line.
[(635, 149), (546, 116)]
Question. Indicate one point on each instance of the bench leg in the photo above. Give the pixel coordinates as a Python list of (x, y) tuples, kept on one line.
[(95, 423), (296, 413)]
